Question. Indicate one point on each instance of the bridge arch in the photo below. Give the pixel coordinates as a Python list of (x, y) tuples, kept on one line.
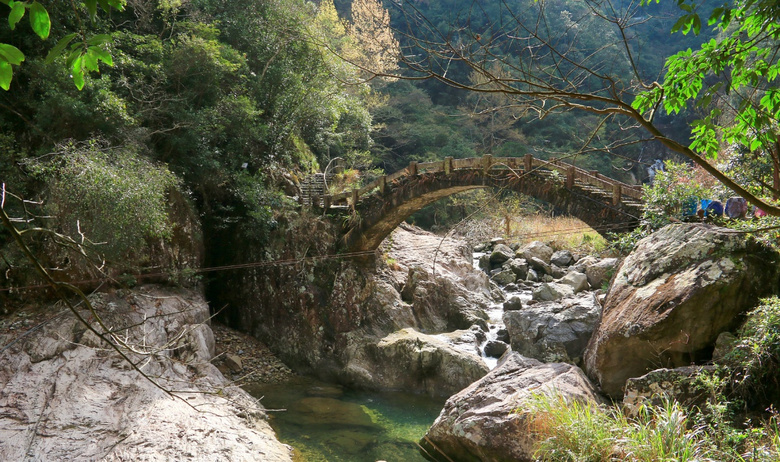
[(378, 208)]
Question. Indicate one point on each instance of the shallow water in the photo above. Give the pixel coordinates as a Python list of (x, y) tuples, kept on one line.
[(326, 423)]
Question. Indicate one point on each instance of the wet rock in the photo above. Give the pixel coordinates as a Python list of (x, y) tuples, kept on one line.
[(482, 422), (536, 249), (576, 281), (468, 339), (514, 303), (554, 331), (494, 348), (484, 263), (562, 258), (503, 336), (671, 298), (550, 291), (500, 254), (504, 277)]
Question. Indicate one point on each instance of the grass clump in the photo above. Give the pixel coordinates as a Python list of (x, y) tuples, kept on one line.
[(569, 431)]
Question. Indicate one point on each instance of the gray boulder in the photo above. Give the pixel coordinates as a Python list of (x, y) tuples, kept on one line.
[(600, 272), (539, 265), (554, 331), (504, 277), (557, 272), (500, 254), (536, 249), (485, 422), (562, 258), (494, 348), (550, 291), (576, 281), (412, 361), (671, 298), (519, 266), (513, 304), (532, 276), (484, 263)]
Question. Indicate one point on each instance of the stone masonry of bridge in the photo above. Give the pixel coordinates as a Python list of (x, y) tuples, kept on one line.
[(378, 208)]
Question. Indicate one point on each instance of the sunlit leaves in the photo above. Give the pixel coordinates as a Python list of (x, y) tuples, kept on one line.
[(5, 75), (83, 57), (9, 55), (17, 12), (39, 20)]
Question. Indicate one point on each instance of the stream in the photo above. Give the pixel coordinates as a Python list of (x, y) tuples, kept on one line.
[(329, 423)]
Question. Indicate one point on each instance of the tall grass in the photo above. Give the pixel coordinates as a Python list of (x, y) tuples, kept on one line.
[(577, 431)]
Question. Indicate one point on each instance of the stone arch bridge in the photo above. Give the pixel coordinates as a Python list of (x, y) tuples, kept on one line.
[(372, 212)]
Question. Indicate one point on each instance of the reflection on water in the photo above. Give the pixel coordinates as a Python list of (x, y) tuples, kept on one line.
[(325, 423)]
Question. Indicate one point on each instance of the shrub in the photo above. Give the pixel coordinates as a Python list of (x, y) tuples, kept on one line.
[(113, 198)]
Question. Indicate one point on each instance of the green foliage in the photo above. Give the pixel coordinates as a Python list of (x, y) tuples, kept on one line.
[(81, 58), (110, 197), (574, 431), (731, 77), (754, 361)]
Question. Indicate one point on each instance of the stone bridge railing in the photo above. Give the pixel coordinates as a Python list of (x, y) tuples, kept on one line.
[(569, 174)]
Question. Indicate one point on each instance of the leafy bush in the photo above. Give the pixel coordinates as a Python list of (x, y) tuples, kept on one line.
[(755, 359), (113, 198)]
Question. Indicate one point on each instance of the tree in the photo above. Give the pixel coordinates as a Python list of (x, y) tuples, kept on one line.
[(84, 51), (548, 67)]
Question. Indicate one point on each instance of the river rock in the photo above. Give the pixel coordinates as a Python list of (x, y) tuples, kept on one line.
[(539, 265), (550, 291), (671, 298), (484, 263), (599, 273), (577, 281), (562, 258), (504, 277), (519, 266), (466, 339), (65, 396), (502, 335), (513, 304), (536, 249), (494, 348), (482, 422), (409, 360), (554, 331), (583, 263), (532, 276), (500, 254)]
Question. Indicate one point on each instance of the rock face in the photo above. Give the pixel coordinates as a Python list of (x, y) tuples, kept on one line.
[(481, 423), (65, 396), (554, 331), (323, 318), (671, 297), (409, 360)]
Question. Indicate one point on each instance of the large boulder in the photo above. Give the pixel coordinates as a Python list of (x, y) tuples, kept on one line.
[(661, 385), (411, 361), (482, 422), (66, 395), (672, 296), (554, 331)]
